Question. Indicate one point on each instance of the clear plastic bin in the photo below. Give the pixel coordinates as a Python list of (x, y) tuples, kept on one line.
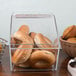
[(36, 46)]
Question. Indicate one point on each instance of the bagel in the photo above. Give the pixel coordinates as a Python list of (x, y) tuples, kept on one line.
[(24, 29), (21, 37), (42, 41), (42, 59), (22, 53), (69, 32), (72, 40)]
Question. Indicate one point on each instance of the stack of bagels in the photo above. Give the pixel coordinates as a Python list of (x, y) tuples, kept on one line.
[(68, 41), (69, 34), (25, 56)]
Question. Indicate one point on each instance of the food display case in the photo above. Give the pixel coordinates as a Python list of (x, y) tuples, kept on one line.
[(34, 42)]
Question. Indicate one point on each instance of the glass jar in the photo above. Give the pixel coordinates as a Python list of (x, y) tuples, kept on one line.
[(34, 42)]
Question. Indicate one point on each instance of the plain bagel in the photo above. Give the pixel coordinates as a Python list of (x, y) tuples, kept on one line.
[(42, 59), (21, 37), (72, 40), (69, 32), (42, 41), (22, 53)]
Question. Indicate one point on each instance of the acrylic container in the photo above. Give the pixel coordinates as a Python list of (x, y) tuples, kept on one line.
[(40, 23)]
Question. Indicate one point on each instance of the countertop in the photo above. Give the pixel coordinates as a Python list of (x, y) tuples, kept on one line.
[(62, 67)]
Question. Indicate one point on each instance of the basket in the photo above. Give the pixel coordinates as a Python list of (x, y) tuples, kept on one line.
[(68, 48)]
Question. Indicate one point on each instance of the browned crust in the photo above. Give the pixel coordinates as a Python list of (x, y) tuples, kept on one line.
[(42, 41), (19, 35), (69, 32), (72, 40), (42, 59), (24, 29), (22, 55)]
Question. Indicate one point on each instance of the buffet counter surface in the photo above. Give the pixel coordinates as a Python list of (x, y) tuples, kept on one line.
[(62, 67)]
